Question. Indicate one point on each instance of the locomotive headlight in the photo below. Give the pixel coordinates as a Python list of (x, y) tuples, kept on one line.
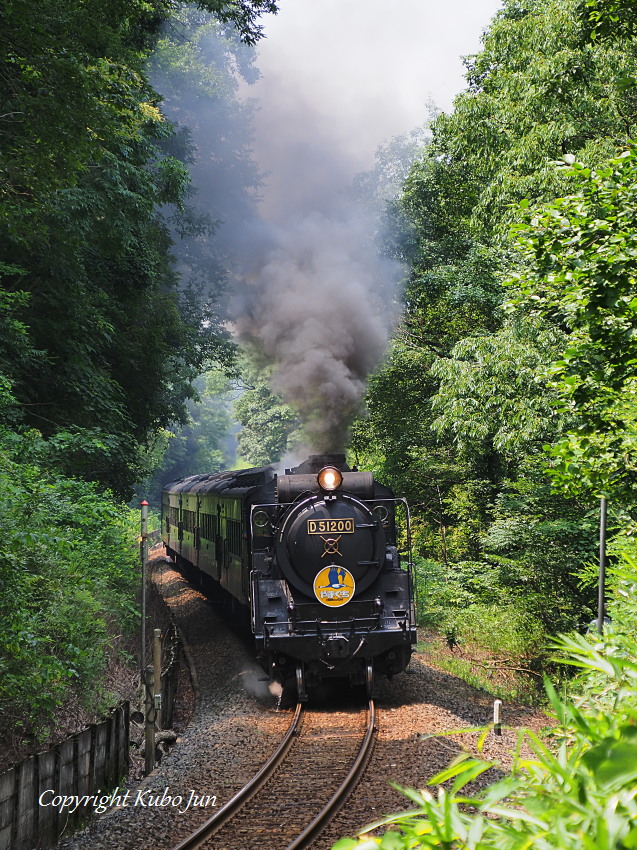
[(329, 478)]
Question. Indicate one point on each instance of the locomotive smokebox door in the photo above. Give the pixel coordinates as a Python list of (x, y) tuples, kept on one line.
[(321, 533)]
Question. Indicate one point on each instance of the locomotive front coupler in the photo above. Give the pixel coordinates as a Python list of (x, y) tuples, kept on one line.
[(337, 647)]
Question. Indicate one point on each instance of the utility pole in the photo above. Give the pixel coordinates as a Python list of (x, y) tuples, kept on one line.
[(601, 590), (143, 549), (149, 721)]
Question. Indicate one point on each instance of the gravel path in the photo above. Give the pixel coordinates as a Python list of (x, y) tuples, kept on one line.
[(237, 725)]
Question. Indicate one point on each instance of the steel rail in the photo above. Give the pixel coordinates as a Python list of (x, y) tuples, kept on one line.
[(229, 809), (328, 812)]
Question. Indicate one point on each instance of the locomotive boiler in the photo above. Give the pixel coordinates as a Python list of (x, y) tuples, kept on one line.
[(310, 559)]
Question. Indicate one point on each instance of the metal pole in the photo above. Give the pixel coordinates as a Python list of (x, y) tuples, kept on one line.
[(601, 594), (143, 549), (157, 676), (149, 729)]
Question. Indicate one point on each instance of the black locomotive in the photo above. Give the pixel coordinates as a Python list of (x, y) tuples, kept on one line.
[(310, 556)]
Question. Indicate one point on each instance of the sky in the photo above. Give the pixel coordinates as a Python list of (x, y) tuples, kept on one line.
[(348, 75)]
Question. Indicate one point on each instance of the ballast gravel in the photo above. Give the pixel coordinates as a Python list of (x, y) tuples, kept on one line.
[(238, 723)]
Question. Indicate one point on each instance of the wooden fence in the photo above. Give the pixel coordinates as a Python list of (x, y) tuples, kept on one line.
[(90, 761), (94, 760)]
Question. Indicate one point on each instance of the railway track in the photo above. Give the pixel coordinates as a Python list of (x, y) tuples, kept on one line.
[(301, 787)]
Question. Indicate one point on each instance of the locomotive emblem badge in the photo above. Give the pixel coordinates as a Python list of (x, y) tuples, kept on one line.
[(334, 586), (331, 546)]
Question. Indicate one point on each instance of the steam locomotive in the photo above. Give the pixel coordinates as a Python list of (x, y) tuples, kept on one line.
[(310, 557)]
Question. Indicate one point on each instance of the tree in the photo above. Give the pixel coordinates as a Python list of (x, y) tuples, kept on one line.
[(269, 427), (205, 443), (242, 14), (495, 393), (535, 93), (474, 383), (580, 274), (608, 19), (110, 341)]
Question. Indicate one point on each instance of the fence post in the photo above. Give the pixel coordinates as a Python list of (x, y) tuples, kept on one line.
[(157, 678), (88, 761), (8, 808)]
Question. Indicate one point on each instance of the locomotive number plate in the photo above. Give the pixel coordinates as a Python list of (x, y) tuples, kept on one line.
[(330, 526)]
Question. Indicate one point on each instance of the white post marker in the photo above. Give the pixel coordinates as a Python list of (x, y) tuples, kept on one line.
[(497, 717)]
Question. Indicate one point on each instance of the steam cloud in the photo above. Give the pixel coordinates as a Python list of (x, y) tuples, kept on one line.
[(312, 294), (317, 302)]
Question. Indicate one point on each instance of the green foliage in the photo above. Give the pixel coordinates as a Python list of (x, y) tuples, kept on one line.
[(458, 415), (198, 66), (394, 438), (68, 575), (580, 274), (608, 19), (535, 93), (242, 14), (203, 444), (101, 337), (494, 390), (269, 427), (470, 393), (453, 288), (207, 436), (472, 604), (578, 791), (543, 543), (61, 97), (506, 629)]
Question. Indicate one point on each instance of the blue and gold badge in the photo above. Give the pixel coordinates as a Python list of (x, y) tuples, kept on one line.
[(334, 586)]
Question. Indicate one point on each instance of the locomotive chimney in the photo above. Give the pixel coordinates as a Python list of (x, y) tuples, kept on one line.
[(315, 463)]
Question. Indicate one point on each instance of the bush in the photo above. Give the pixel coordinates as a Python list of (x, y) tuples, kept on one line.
[(468, 601), (68, 577)]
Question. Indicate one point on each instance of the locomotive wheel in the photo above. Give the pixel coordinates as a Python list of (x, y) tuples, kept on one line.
[(369, 680), (300, 684)]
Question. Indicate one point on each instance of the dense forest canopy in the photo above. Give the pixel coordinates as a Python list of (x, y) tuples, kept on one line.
[(103, 334), (504, 409), (101, 341), (515, 367)]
